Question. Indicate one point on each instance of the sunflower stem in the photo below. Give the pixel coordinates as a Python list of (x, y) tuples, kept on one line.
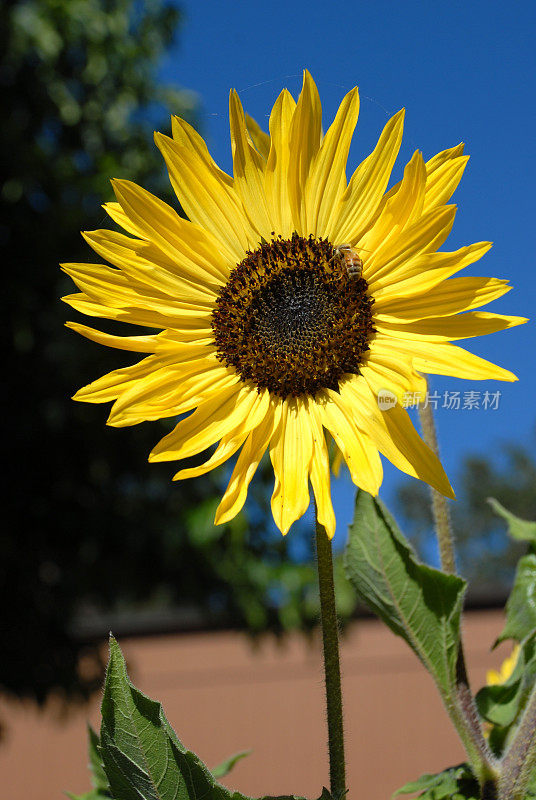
[(520, 758), (465, 714), (332, 671), (440, 507)]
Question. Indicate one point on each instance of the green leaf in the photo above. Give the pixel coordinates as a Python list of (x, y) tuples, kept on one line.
[(98, 776), (521, 605), (497, 737), (454, 783), (518, 528), (101, 788), (499, 704), (226, 766), (142, 755), (503, 704), (418, 603)]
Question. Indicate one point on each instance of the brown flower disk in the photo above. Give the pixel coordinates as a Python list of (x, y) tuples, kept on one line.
[(291, 319)]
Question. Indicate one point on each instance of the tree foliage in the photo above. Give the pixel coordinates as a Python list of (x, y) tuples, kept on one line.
[(93, 525)]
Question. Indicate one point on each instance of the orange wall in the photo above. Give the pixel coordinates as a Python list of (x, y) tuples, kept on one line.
[(222, 695)]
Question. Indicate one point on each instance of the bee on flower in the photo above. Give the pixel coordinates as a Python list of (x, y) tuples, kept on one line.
[(350, 258)]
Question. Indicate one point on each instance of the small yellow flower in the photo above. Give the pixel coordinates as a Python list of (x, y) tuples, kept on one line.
[(286, 302), (505, 670)]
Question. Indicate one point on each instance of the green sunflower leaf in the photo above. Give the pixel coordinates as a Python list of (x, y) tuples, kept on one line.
[(418, 603), (98, 776), (521, 529), (455, 783), (101, 788), (143, 757), (502, 704), (226, 766), (521, 605), (499, 704)]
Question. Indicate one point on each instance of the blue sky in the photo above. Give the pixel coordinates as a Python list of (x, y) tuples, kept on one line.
[(464, 72)]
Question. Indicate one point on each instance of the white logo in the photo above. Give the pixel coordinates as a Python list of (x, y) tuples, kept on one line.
[(386, 399)]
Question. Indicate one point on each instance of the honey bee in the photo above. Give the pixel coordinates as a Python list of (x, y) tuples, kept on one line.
[(350, 258)]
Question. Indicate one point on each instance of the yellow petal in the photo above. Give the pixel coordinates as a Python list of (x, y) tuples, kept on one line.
[(114, 383), (227, 447), (140, 344), (185, 135), (450, 297), (141, 316), (320, 475), (358, 451), (172, 343), (422, 458), (423, 273), (248, 168), (493, 677), (459, 326), (116, 213), (232, 441), (506, 669), (380, 377), (113, 289), (260, 139), (365, 189), (442, 181), (385, 367), (337, 462), (400, 212), (304, 141), (432, 165), (146, 263), (291, 451), (443, 157), (170, 391), (448, 359), (425, 235), (327, 177), (178, 238), (394, 435), (277, 165), (208, 201), (246, 465), (217, 416)]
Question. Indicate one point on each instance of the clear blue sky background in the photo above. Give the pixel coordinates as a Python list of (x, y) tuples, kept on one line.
[(464, 72)]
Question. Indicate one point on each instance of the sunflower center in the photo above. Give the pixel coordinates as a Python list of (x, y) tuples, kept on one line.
[(293, 318)]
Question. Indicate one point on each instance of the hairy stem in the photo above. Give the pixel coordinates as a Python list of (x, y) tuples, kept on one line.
[(467, 714), (332, 672), (439, 503), (520, 758)]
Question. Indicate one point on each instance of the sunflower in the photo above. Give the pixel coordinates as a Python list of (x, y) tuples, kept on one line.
[(496, 677), (286, 301)]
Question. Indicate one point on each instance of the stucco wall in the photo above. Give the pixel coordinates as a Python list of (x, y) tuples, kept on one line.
[(223, 695)]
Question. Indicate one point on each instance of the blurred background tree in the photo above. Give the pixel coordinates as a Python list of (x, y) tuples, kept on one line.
[(93, 527), (509, 476)]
